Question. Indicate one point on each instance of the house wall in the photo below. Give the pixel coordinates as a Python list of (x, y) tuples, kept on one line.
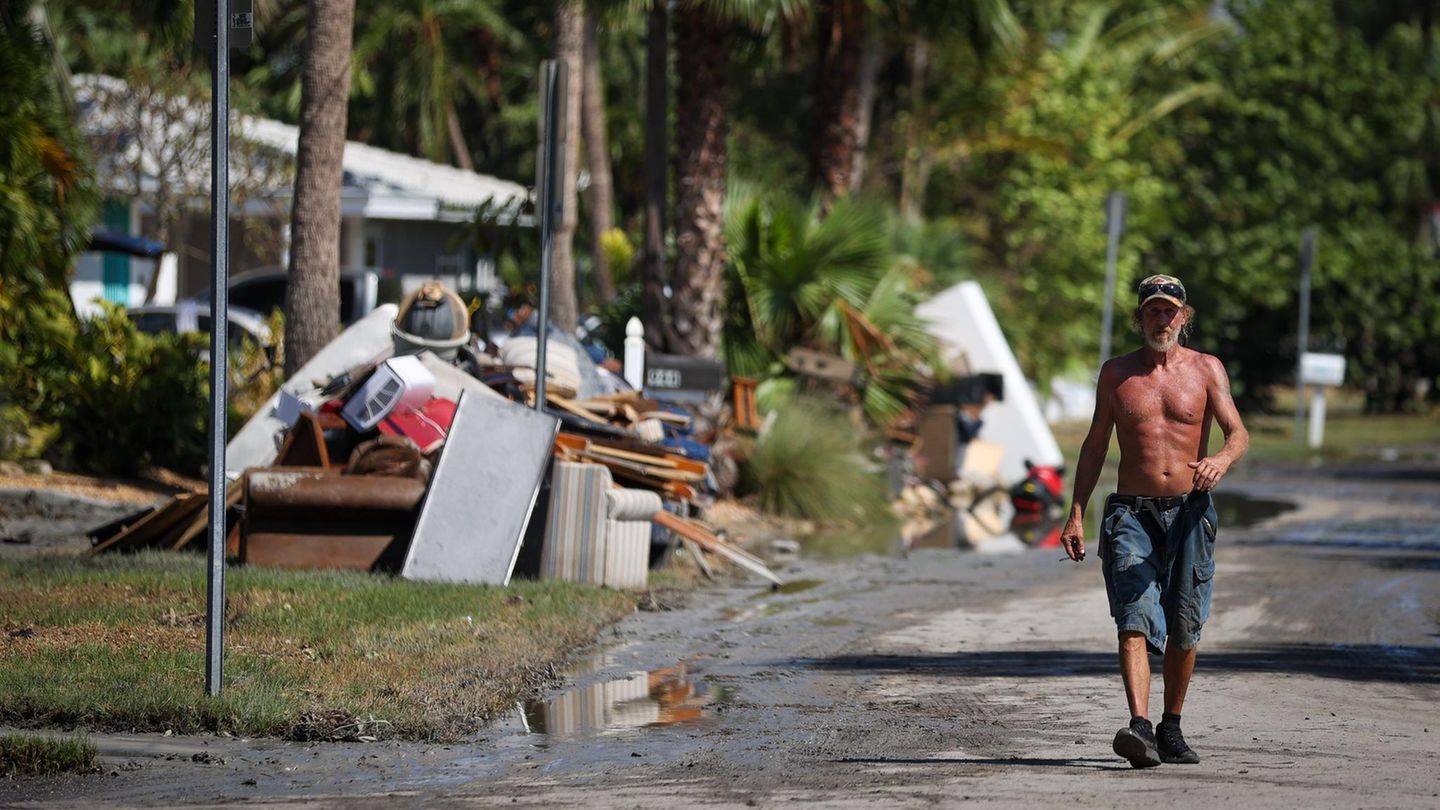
[(410, 252)]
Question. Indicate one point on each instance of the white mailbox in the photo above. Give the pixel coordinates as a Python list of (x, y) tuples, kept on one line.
[(1322, 369)]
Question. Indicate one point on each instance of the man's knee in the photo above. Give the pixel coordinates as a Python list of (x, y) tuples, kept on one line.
[(1132, 640)]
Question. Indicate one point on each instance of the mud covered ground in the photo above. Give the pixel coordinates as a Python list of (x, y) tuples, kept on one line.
[(936, 677)]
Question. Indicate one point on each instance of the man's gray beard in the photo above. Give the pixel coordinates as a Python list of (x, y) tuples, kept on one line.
[(1161, 344)]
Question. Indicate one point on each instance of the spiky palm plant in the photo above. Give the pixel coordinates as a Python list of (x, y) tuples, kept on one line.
[(833, 284), (810, 464)]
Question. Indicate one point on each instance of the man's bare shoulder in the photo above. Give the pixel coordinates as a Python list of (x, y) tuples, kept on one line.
[(1211, 364), (1119, 366)]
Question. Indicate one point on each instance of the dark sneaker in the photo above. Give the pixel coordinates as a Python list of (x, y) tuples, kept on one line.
[(1137, 744), (1171, 744)]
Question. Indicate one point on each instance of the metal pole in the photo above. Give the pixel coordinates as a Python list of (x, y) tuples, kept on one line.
[(1114, 226), (219, 328), (1302, 339), (552, 84)]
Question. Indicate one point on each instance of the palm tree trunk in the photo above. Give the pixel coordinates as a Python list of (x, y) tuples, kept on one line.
[(843, 24), (457, 138), (915, 170), (312, 298), (569, 48), (702, 44), (653, 308), (597, 158), (869, 78)]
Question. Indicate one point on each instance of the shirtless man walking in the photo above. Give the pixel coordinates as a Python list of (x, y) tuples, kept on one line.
[(1157, 533)]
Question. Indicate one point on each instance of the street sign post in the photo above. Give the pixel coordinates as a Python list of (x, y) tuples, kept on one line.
[(217, 40), (241, 31), (548, 198)]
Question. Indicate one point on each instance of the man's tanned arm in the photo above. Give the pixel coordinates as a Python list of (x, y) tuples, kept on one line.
[(1092, 460), (1209, 470)]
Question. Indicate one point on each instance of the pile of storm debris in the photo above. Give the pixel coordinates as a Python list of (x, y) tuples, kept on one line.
[(412, 445)]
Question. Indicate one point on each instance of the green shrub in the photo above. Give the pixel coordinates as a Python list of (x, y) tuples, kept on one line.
[(130, 400), (810, 463)]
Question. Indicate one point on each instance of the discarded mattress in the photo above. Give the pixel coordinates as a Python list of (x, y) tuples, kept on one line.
[(961, 319)]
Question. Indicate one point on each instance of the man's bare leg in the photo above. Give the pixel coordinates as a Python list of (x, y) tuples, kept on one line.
[(1179, 666), (1135, 672), (1136, 742)]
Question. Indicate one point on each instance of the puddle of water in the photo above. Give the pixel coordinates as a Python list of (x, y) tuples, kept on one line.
[(793, 586), (1243, 511), (745, 614), (662, 697)]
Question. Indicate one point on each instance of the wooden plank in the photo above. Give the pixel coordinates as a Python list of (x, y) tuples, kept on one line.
[(654, 461), (304, 444), (678, 419), (709, 542), (569, 406), (233, 492), (601, 406), (153, 525), (699, 555)]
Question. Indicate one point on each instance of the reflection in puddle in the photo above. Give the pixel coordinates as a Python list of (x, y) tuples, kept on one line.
[(793, 586), (663, 697)]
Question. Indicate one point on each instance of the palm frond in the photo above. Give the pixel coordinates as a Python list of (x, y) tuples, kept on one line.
[(1170, 103)]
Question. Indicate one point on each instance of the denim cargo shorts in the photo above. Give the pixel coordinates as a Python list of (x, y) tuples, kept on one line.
[(1159, 566)]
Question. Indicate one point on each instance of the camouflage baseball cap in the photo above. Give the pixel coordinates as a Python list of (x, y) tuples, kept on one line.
[(1165, 287)]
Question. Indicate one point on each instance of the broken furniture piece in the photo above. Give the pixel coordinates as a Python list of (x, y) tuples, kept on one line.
[(316, 518), (596, 533)]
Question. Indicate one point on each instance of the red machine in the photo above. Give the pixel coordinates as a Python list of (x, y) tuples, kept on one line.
[(1040, 491)]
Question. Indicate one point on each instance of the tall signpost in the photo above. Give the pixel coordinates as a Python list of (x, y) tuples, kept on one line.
[(231, 27), (548, 198), (1302, 338), (1115, 227)]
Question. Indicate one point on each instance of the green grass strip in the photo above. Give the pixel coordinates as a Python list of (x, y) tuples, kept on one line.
[(25, 755), (117, 643)]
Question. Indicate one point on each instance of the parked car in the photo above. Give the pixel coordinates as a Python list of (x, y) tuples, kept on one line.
[(263, 290), (191, 316)]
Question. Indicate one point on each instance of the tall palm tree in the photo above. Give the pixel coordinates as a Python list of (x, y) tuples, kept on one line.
[(569, 49), (422, 55), (704, 33), (653, 274), (844, 26), (597, 156), (984, 31), (312, 298)]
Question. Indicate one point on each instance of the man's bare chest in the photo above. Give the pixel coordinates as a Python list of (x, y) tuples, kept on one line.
[(1181, 400)]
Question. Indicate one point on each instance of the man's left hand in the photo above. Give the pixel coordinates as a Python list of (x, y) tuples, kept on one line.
[(1209, 471)]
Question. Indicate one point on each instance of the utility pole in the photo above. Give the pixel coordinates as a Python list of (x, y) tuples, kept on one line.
[(1302, 339), (1115, 205)]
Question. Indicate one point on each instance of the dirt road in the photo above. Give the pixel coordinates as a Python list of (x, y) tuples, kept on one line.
[(936, 678)]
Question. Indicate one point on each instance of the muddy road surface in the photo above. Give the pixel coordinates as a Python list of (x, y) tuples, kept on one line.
[(937, 677)]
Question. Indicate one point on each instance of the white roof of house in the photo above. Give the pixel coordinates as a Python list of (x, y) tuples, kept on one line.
[(379, 184)]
